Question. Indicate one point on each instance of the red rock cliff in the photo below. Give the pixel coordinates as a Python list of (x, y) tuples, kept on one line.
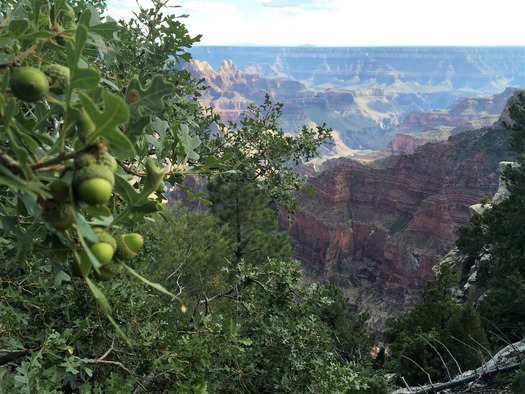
[(378, 230)]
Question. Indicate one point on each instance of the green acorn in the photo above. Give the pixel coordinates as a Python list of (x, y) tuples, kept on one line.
[(93, 184), (109, 271), (58, 77), (128, 246), (105, 248), (105, 237), (109, 161), (104, 251), (60, 216), (59, 190), (29, 84), (134, 241)]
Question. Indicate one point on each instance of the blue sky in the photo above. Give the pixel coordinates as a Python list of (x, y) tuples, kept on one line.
[(348, 22)]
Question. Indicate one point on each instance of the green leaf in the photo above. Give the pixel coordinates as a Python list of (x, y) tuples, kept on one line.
[(85, 78), (105, 29), (151, 97), (6, 58), (99, 296), (60, 277), (84, 229), (18, 27), (125, 190), (114, 113), (189, 142), (156, 286), (86, 16), (16, 183), (150, 206), (154, 176), (198, 196), (74, 53), (59, 250), (106, 308)]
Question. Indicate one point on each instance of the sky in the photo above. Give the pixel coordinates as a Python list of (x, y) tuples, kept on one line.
[(347, 22)]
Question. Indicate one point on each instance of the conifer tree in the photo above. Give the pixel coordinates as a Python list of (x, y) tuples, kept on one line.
[(498, 235)]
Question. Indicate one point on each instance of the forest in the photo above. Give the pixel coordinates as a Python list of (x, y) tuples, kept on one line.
[(107, 288)]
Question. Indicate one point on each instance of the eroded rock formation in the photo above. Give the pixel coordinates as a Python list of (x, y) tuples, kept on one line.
[(377, 230)]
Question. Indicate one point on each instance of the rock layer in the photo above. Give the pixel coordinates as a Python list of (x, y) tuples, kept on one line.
[(377, 230)]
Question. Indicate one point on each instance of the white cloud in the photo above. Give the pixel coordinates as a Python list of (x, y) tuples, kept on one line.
[(349, 22)]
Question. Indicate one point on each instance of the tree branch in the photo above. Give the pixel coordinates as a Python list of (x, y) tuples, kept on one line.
[(13, 165), (12, 355)]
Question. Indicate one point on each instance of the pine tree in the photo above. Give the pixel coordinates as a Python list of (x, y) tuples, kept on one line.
[(499, 236)]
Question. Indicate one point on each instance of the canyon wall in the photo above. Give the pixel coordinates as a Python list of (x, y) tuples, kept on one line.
[(378, 229), (363, 104)]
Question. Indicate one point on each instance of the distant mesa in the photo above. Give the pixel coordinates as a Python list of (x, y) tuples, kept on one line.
[(367, 95)]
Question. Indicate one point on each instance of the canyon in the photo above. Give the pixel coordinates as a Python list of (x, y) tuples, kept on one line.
[(378, 229), (366, 95), (418, 137)]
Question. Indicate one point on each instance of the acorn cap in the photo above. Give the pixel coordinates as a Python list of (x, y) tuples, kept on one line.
[(108, 271), (58, 77), (104, 236), (93, 171), (123, 252), (60, 216), (84, 160), (109, 161)]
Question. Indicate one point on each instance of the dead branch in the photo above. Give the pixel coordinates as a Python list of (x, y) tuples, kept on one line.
[(421, 368), (450, 354), (467, 379), (439, 355)]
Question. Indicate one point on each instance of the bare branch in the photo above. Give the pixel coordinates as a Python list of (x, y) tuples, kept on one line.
[(421, 368), (108, 351), (471, 347), (450, 354), (440, 357)]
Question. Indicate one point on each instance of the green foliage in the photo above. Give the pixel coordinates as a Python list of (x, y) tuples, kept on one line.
[(496, 239), (45, 139), (291, 349), (251, 220), (118, 107), (263, 178), (518, 382), (192, 259), (436, 336), (263, 152), (354, 344)]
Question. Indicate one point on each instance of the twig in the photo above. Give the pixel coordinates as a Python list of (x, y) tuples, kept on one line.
[(55, 160), (11, 163), (450, 354), (471, 347), (440, 357), (117, 363), (108, 351), (421, 368)]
